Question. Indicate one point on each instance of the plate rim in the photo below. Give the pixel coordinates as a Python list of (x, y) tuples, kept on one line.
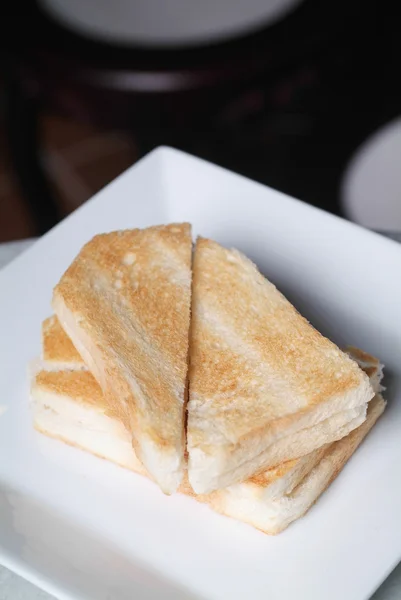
[(160, 154)]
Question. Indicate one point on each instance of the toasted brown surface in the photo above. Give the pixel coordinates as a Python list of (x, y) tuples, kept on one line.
[(82, 388), (362, 357), (56, 345), (79, 386), (267, 477), (314, 483), (337, 456), (254, 358), (370, 371), (270, 475), (128, 294), (325, 469), (146, 268)]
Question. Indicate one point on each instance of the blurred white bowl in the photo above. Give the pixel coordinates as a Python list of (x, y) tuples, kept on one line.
[(166, 22), (371, 187)]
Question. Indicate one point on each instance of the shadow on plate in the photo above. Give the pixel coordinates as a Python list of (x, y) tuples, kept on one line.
[(63, 558)]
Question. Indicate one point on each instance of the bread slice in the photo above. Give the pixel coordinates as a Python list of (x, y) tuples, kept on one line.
[(370, 365), (64, 409), (283, 479), (249, 504), (83, 390), (70, 406), (265, 386), (58, 352), (125, 304)]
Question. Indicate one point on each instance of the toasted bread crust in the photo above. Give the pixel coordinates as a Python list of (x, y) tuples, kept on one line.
[(256, 363), (82, 388), (362, 357), (332, 460), (314, 483), (371, 366), (139, 283), (229, 290), (57, 346)]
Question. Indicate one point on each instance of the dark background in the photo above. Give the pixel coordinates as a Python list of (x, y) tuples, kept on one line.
[(287, 105)]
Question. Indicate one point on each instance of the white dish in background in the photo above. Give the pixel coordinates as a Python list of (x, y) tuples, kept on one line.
[(177, 23), (371, 186), (82, 528)]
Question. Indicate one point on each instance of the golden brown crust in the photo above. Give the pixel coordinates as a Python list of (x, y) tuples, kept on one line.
[(57, 346), (129, 294), (270, 475), (267, 477), (334, 459), (341, 451), (82, 388), (337, 453), (362, 357), (131, 263), (370, 371), (254, 358), (79, 386)]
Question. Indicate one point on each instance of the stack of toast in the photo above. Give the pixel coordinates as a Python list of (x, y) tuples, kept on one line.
[(188, 366)]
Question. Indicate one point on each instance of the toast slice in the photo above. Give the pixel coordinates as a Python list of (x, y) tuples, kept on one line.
[(265, 386), (69, 405), (283, 479), (58, 352), (272, 515), (125, 304)]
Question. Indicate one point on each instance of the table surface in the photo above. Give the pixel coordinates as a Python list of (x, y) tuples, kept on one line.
[(13, 587)]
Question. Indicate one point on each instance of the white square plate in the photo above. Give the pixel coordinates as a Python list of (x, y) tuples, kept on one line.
[(82, 528)]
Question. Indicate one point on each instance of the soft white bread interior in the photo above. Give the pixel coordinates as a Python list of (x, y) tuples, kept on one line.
[(265, 386), (125, 304), (71, 406)]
